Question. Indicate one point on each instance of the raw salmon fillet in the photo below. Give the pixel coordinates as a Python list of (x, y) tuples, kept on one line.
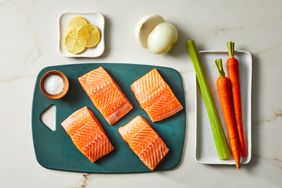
[(144, 141), (87, 134), (105, 94), (155, 96)]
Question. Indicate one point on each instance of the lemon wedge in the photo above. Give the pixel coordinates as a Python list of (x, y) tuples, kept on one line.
[(88, 35), (72, 45), (74, 24)]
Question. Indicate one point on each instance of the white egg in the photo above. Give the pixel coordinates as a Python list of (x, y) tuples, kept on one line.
[(162, 38), (145, 26)]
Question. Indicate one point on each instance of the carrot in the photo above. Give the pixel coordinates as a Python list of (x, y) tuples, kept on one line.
[(225, 97), (233, 74)]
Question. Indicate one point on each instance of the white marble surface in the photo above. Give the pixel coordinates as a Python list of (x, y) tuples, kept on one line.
[(28, 42)]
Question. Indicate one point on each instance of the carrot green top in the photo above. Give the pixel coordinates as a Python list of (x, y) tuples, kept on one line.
[(218, 63), (231, 48)]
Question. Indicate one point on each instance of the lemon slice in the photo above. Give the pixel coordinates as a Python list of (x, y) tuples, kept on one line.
[(88, 35), (72, 45), (74, 24)]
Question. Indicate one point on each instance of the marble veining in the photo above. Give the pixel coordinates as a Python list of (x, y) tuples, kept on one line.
[(14, 78), (84, 180), (35, 53), (276, 115)]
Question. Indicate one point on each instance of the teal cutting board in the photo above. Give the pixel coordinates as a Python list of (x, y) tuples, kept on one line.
[(55, 150)]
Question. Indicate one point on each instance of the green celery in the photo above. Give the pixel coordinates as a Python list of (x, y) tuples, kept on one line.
[(218, 133)]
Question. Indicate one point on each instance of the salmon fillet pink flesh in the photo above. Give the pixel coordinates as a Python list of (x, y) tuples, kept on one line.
[(144, 142), (87, 134), (105, 94), (155, 96)]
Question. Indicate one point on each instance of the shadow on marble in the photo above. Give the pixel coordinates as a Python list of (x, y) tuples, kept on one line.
[(255, 111), (180, 47), (107, 37)]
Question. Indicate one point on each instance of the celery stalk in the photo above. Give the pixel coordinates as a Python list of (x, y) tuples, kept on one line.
[(217, 130)]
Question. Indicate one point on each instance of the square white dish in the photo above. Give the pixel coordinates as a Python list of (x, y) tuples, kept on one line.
[(94, 18), (205, 147)]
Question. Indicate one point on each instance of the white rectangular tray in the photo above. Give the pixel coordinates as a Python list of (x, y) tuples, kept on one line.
[(205, 147), (94, 18)]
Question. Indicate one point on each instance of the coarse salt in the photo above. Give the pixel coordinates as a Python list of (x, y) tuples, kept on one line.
[(54, 85)]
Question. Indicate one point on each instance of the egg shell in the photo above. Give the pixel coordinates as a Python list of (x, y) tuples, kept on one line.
[(145, 26)]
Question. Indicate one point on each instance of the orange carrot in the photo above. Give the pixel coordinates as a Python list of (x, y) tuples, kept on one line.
[(225, 97), (233, 74)]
